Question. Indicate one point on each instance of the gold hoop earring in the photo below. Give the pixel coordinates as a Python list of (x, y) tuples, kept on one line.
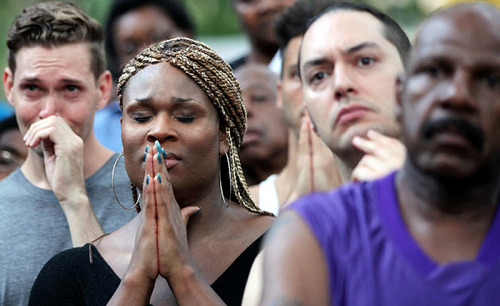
[(113, 186)]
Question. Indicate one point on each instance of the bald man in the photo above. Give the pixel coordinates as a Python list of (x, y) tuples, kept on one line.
[(428, 234)]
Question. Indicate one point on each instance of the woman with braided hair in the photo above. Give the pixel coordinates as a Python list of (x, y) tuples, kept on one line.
[(198, 231)]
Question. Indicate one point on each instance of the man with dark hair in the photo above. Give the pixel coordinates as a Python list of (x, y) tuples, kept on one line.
[(349, 64), (133, 25), (428, 234), (55, 81), (257, 19)]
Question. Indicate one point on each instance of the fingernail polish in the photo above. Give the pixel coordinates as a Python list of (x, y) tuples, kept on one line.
[(159, 178), (146, 153), (159, 158), (158, 147), (164, 154), (147, 180), (196, 212)]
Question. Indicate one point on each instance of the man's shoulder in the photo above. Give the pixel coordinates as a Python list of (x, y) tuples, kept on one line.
[(344, 197), (13, 185)]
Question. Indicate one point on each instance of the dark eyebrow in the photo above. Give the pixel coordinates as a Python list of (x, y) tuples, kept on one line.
[(315, 62), (142, 100), (180, 100), (361, 46)]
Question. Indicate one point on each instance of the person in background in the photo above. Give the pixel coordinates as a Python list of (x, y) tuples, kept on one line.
[(195, 240), (13, 151), (257, 19), (264, 149), (131, 26), (62, 195), (310, 165), (428, 234)]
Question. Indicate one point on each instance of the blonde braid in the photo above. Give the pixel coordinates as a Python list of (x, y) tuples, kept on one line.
[(215, 77)]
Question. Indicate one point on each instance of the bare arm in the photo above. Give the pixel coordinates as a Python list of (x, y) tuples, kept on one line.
[(63, 157), (295, 270), (161, 248)]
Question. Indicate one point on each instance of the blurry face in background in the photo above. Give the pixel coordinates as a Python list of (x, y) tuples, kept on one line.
[(12, 151), (266, 134), (258, 17), (137, 29), (290, 97)]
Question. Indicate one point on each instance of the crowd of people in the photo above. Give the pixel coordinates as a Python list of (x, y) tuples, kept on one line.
[(140, 168)]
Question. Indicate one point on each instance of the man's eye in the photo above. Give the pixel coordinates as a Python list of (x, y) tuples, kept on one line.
[(31, 87), (492, 79), (72, 88), (365, 61), (318, 76), (260, 98)]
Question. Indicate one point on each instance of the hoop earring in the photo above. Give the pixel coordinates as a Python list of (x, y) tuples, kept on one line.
[(230, 176), (113, 186), (221, 190)]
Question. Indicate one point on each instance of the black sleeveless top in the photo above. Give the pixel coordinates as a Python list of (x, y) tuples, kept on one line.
[(70, 278)]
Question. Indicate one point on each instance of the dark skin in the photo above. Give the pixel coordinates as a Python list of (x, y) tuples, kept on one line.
[(449, 188), (265, 145), (175, 255), (257, 18)]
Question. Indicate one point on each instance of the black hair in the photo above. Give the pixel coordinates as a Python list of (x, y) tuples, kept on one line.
[(392, 31), (8, 123), (294, 21), (171, 8)]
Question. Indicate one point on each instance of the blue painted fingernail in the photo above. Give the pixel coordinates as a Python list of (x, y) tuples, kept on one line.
[(158, 147), (147, 148), (196, 212), (159, 178), (164, 154), (147, 180), (159, 158)]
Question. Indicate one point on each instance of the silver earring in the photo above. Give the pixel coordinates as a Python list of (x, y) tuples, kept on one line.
[(113, 185), (230, 178)]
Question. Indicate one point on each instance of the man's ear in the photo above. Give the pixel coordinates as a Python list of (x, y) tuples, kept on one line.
[(279, 98), (398, 108), (104, 86), (223, 141), (8, 83)]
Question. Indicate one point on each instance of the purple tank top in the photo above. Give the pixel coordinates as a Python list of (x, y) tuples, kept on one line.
[(372, 258)]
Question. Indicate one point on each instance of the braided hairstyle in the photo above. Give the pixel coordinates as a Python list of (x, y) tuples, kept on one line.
[(215, 77)]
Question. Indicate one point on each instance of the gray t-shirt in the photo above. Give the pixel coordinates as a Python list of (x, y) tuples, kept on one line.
[(33, 227)]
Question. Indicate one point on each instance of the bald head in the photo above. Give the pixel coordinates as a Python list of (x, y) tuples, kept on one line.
[(451, 99), (468, 18), (258, 74)]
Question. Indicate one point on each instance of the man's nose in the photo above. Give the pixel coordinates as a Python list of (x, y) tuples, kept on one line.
[(342, 82), (457, 94), (50, 107)]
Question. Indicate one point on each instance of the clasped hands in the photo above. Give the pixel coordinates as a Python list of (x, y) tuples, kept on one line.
[(161, 246)]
